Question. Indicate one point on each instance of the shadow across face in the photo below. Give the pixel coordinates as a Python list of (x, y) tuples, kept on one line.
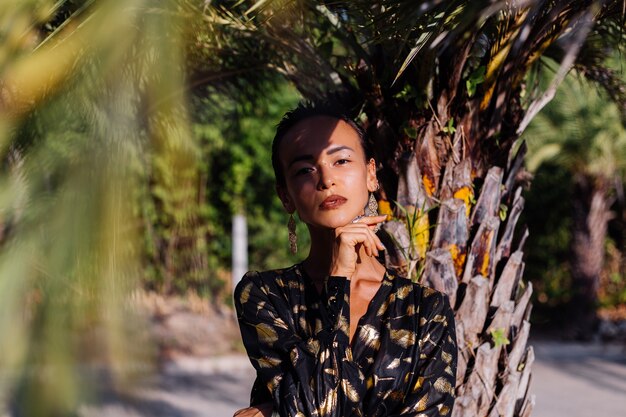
[(327, 176)]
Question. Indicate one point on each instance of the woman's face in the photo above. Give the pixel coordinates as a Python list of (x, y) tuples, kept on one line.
[(327, 178)]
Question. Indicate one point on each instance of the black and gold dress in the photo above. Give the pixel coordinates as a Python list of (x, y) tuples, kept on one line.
[(401, 362)]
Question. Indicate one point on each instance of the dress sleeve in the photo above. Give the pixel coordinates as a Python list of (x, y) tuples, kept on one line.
[(433, 390), (308, 377)]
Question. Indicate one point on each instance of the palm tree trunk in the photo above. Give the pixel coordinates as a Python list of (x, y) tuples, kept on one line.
[(475, 257), (590, 217)]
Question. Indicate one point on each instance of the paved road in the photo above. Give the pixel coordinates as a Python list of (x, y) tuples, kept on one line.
[(569, 380), (579, 380)]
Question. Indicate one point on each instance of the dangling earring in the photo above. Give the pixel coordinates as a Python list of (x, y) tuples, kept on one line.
[(293, 239), (372, 206)]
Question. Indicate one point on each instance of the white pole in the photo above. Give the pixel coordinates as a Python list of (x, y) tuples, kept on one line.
[(240, 248)]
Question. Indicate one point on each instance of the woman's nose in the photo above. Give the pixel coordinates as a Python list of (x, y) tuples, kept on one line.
[(326, 179)]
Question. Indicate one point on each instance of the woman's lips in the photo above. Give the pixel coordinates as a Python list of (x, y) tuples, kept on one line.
[(332, 202)]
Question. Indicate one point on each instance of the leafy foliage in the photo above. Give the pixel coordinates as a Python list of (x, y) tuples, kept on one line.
[(236, 158), (548, 215), (579, 137), (581, 130), (436, 77)]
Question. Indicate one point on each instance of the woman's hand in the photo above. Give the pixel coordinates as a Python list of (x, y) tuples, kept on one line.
[(261, 410), (349, 239)]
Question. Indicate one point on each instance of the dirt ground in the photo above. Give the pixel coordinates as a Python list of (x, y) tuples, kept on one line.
[(190, 326)]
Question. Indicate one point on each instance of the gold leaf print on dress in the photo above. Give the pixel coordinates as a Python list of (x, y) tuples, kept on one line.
[(447, 358), (383, 308), (426, 339), (443, 385), (350, 391), (318, 326), (410, 310), (313, 346), (273, 383), (394, 364), (268, 362), (418, 384), (370, 336), (344, 326), (404, 291), (294, 355), (396, 395), (266, 289), (427, 291), (303, 323), (402, 337), (245, 293), (295, 285), (329, 403), (266, 333), (422, 403), (280, 324)]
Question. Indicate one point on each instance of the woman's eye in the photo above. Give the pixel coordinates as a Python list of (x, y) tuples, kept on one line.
[(303, 171), (342, 161)]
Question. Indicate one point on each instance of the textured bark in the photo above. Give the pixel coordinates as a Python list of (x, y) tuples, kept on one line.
[(475, 258)]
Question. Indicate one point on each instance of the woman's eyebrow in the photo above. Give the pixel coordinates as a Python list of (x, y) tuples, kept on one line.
[(300, 158), (338, 148), (309, 157)]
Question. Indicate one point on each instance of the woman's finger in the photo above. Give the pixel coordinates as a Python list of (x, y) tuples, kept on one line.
[(374, 240), (363, 233), (379, 243), (356, 235), (371, 243), (374, 243), (373, 220)]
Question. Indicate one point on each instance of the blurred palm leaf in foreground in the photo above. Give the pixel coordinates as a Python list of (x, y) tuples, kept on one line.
[(91, 96)]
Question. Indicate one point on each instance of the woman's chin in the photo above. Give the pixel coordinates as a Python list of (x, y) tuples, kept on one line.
[(335, 222)]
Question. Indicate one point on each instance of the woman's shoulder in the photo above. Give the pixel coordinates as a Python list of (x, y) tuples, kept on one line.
[(279, 276), (271, 273), (274, 285)]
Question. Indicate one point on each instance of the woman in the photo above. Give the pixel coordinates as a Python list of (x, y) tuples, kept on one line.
[(338, 334)]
